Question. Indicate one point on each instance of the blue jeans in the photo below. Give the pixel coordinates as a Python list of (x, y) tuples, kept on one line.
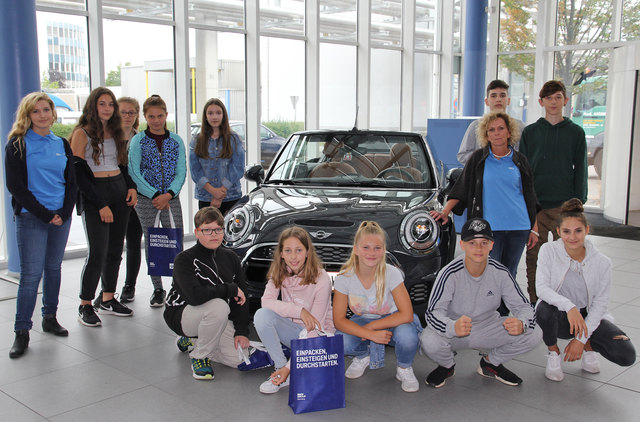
[(508, 246), (404, 339), (273, 330), (41, 249)]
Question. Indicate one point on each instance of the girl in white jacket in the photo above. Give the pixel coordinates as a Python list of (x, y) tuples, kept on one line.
[(573, 281)]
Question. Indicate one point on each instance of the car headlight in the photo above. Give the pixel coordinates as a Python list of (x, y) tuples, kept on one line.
[(237, 226), (419, 231)]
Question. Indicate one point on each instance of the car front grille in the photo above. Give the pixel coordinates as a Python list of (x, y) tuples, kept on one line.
[(419, 293), (330, 254)]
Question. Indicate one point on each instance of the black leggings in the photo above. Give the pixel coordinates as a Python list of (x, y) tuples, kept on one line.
[(554, 324), (134, 253), (105, 240)]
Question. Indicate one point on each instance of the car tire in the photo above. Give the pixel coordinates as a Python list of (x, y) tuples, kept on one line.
[(597, 163)]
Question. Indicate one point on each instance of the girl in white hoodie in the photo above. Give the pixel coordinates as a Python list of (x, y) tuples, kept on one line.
[(573, 281)]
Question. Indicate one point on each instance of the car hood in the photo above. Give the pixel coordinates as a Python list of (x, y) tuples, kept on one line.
[(338, 210)]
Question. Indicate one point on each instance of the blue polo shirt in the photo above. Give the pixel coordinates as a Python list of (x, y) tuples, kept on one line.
[(46, 162), (502, 196)]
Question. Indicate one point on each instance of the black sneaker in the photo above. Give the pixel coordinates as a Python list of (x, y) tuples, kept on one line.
[(499, 372), (439, 376), (128, 293), (98, 301), (87, 316), (157, 298), (113, 307)]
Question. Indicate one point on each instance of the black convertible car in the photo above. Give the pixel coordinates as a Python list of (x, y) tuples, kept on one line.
[(328, 182)]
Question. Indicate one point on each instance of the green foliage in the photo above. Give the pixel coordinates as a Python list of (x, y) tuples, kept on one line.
[(63, 130), (45, 83), (284, 128)]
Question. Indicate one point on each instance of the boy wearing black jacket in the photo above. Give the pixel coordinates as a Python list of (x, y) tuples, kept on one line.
[(206, 305)]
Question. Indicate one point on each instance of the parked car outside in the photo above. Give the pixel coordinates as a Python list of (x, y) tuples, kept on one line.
[(270, 143), (328, 182)]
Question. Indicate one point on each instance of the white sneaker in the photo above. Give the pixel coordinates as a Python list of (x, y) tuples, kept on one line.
[(357, 367), (553, 370), (590, 362), (409, 382), (268, 387)]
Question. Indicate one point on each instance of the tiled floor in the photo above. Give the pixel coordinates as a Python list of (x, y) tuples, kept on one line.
[(130, 369)]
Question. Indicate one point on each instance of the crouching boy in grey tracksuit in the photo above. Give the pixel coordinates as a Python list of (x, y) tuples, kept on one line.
[(462, 311)]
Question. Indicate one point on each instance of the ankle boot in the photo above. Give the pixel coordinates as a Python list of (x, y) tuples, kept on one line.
[(50, 325), (20, 344)]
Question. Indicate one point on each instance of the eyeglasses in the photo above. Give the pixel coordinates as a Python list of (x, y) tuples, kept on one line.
[(128, 113), (209, 232)]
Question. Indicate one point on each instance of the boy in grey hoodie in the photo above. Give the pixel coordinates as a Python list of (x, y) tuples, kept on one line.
[(462, 311)]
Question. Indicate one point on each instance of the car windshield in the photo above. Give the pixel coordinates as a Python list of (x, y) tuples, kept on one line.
[(354, 159)]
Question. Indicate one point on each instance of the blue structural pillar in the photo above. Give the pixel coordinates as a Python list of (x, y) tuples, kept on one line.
[(474, 58), (19, 75)]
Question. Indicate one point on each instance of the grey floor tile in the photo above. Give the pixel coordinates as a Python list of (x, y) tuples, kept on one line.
[(626, 315), (158, 406), (631, 266), (41, 357), (624, 294), (71, 388), (11, 410), (624, 278), (628, 379)]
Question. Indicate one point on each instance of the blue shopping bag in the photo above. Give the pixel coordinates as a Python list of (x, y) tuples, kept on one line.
[(317, 373), (163, 246)]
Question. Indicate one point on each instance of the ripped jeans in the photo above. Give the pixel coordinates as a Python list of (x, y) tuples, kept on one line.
[(554, 324), (405, 340)]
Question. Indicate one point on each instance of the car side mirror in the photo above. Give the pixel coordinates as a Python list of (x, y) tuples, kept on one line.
[(452, 177), (255, 173)]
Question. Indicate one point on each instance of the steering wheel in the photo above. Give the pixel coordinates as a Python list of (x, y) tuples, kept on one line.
[(403, 172)]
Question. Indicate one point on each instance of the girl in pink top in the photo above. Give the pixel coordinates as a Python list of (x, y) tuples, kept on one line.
[(296, 274)]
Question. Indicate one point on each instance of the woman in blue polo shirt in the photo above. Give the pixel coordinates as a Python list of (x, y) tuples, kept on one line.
[(497, 185), (41, 179)]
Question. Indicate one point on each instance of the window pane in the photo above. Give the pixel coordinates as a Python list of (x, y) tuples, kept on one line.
[(338, 20), (64, 53), (386, 22), (156, 9), (141, 65), (283, 82), (217, 63), (384, 89), (225, 13), (337, 74), (518, 25), (457, 19), (64, 73), (426, 24), (456, 110), (585, 75), (517, 70), (64, 4), (282, 16), (425, 89), (631, 20), (584, 21)]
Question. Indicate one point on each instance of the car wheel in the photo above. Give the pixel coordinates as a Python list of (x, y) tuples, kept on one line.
[(597, 163)]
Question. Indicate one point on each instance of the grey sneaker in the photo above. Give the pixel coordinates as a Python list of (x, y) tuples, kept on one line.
[(157, 298)]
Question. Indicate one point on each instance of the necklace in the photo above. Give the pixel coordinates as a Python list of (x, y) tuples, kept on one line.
[(501, 156)]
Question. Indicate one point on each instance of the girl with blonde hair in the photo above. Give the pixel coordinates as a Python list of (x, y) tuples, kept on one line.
[(41, 179), (383, 314), (297, 276)]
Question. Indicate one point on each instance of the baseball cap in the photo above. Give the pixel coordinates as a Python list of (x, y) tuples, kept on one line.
[(475, 228)]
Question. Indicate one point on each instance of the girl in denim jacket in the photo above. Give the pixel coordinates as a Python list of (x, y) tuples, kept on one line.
[(216, 159)]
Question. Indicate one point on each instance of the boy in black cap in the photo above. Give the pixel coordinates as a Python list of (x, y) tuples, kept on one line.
[(462, 311)]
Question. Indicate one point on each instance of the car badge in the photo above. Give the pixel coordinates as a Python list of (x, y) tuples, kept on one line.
[(320, 234)]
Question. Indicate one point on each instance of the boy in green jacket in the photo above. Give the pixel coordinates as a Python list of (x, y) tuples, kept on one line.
[(557, 152)]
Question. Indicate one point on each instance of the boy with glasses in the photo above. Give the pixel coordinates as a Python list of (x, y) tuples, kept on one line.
[(206, 305)]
